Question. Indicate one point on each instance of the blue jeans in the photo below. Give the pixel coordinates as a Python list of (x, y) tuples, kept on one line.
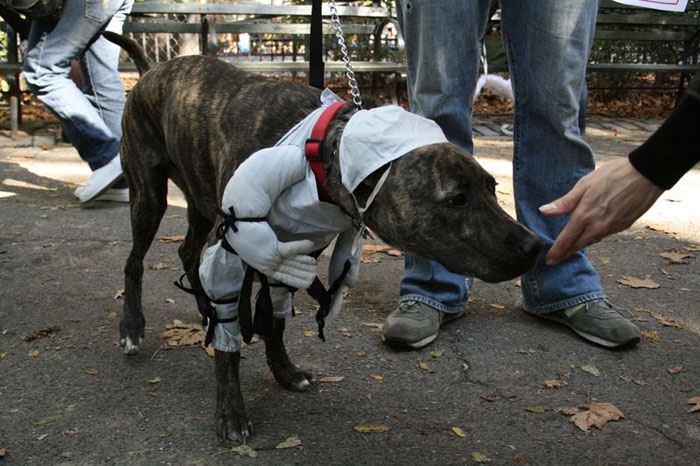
[(547, 43), (91, 116)]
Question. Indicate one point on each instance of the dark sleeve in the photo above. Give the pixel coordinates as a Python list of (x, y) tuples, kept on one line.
[(694, 85), (675, 147)]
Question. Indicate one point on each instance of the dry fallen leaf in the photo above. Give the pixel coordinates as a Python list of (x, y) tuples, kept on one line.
[(694, 401), (372, 325), (91, 371), (377, 429), (245, 450), (555, 383), (45, 331), (459, 432), (639, 283), (291, 442), (653, 336), (569, 411), (160, 266), (155, 380), (480, 458), (662, 319), (49, 420), (597, 414), (332, 379), (309, 333), (369, 249), (591, 369), (171, 239), (437, 354), (676, 257), (424, 365), (675, 370), (377, 377), (33, 353)]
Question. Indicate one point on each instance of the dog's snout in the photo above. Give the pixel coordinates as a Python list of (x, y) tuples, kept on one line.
[(531, 245), (527, 245)]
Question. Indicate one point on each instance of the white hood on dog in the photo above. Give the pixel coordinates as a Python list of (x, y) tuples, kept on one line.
[(373, 138)]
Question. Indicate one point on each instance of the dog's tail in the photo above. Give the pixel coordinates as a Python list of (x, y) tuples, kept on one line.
[(132, 48)]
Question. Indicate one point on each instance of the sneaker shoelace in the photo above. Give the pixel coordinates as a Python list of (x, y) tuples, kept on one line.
[(409, 306)]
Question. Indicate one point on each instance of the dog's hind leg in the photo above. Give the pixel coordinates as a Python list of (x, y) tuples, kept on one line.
[(286, 374), (231, 420), (148, 192)]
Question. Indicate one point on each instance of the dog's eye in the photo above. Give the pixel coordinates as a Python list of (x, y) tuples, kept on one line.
[(460, 200)]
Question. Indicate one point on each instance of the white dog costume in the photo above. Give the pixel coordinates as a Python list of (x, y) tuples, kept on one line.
[(277, 219)]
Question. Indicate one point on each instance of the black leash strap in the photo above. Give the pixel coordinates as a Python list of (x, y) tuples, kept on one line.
[(316, 65)]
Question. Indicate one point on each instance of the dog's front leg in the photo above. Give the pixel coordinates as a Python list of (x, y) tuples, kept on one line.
[(231, 420), (286, 374)]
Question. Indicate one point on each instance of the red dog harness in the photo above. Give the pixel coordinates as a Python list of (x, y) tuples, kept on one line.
[(314, 149)]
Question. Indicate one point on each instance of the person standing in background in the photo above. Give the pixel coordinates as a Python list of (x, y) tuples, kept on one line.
[(90, 116)]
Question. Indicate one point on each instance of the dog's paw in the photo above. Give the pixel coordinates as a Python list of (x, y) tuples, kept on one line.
[(130, 347), (296, 380), (234, 428)]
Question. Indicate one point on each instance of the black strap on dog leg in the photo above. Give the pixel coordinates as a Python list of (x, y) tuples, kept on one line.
[(209, 319), (262, 322), (318, 292), (316, 65)]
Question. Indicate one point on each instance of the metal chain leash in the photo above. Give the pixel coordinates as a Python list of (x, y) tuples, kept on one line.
[(352, 82)]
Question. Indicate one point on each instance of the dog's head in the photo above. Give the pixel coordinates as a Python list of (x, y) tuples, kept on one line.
[(439, 203), (436, 201)]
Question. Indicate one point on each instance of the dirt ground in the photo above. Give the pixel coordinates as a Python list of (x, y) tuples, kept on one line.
[(480, 393)]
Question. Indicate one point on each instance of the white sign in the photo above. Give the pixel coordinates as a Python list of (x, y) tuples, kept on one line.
[(667, 5)]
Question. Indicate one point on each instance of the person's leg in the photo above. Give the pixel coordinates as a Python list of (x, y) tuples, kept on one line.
[(582, 108), (46, 68), (442, 56), (99, 66), (547, 65)]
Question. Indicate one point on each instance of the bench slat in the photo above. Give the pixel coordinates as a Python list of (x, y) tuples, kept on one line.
[(646, 36), (292, 66), (254, 9)]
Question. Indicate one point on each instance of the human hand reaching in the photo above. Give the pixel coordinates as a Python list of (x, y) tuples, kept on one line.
[(605, 201)]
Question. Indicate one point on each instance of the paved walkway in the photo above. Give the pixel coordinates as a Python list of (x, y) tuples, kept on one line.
[(479, 392)]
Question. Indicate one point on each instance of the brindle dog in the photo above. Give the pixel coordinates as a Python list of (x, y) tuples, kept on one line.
[(195, 119)]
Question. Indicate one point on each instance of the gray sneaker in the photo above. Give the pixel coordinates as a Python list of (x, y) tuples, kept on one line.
[(414, 324), (597, 321)]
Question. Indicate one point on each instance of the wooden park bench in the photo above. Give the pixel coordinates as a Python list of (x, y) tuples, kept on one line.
[(278, 36), (633, 40)]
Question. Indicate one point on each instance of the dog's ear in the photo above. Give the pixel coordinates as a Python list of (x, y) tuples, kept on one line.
[(364, 189)]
